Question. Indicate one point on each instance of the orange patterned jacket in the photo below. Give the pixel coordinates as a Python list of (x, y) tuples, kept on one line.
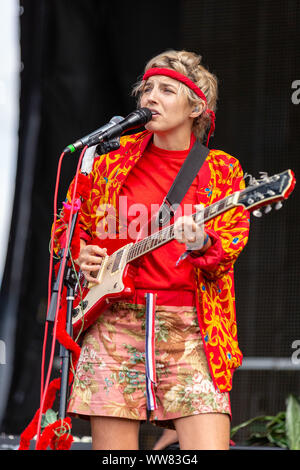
[(214, 273)]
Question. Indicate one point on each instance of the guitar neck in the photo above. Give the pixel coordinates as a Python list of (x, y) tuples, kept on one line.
[(166, 234)]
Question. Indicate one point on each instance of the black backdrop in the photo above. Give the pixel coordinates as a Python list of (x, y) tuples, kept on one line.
[(80, 60)]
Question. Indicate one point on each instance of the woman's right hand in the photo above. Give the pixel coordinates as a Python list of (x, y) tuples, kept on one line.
[(89, 260)]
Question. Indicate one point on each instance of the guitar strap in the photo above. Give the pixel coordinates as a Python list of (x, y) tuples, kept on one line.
[(182, 182)]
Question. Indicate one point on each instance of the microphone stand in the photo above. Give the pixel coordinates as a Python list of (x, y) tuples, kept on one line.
[(69, 280)]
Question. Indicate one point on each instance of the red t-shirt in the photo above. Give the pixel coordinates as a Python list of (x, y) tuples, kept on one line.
[(145, 187)]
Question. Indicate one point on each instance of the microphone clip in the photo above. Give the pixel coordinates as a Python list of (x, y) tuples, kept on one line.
[(108, 146)]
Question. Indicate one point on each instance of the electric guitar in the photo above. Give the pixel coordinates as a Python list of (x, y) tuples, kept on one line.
[(118, 268)]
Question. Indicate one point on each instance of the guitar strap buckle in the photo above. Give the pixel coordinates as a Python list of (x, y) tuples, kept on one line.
[(166, 212)]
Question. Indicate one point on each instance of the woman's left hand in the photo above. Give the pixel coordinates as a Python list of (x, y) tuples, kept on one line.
[(187, 231)]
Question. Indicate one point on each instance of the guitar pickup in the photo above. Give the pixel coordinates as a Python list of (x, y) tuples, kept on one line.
[(117, 261), (99, 274)]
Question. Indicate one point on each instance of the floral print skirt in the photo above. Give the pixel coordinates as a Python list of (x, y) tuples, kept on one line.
[(110, 376)]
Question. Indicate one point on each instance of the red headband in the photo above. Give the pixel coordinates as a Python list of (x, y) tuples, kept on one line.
[(189, 83)]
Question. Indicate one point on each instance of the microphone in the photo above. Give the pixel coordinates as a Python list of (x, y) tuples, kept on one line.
[(85, 140), (135, 119)]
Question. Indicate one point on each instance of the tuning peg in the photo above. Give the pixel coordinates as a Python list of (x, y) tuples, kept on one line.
[(257, 213), (264, 176), (278, 205), (268, 208)]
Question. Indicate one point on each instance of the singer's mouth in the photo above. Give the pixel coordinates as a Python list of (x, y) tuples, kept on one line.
[(154, 112)]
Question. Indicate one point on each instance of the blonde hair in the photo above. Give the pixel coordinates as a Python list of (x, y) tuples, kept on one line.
[(189, 64)]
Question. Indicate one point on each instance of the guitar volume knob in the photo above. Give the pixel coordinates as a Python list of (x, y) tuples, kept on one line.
[(75, 312)]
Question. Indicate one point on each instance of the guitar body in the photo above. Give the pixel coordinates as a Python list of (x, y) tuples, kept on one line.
[(116, 278)]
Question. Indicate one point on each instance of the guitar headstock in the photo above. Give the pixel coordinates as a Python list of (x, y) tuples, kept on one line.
[(266, 191)]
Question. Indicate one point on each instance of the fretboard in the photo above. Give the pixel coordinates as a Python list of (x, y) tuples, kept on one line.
[(166, 234)]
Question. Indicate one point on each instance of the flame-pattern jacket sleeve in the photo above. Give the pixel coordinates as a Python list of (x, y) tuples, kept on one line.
[(228, 231)]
